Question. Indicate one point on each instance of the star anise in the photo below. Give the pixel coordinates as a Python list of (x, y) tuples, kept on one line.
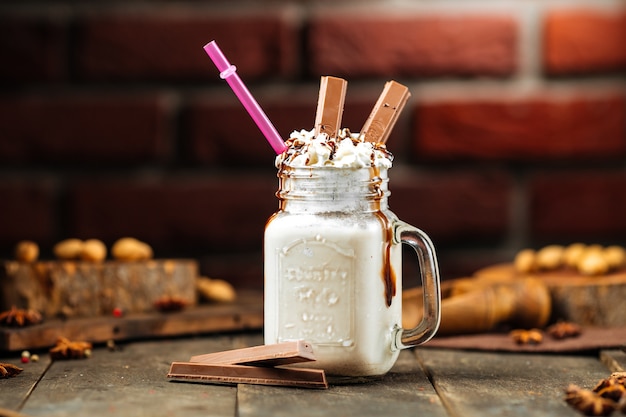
[(621, 405), (168, 303), (589, 402), (613, 388), (620, 377), (8, 370), (17, 317), (607, 396), (526, 337), (67, 349), (564, 329)]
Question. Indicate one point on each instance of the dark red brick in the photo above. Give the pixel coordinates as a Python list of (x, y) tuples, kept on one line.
[(28, 210), (584, 41), (221, 132), (84, 129), (543, 128), (32, 49), (576, 205), (166, 45), (412, 45), (183, 215), (460, 207)]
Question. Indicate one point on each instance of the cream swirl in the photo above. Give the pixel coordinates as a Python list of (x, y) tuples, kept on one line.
[(347, 150)]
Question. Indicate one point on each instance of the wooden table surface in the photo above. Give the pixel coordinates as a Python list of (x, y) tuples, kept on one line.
[(425, 382)]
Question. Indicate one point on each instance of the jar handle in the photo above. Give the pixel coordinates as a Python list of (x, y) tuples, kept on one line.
[(429, 269)]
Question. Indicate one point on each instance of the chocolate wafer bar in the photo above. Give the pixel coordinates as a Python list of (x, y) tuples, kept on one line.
[(383, 117), (330, 105), (266, 355), (243, 374)]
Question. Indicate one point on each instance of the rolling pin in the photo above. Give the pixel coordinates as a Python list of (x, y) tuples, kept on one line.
[(521, 303)]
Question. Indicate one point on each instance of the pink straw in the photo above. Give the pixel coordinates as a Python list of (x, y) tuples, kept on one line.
[(228, 72)]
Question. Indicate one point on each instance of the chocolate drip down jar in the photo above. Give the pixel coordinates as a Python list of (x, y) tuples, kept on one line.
[(333, 267)]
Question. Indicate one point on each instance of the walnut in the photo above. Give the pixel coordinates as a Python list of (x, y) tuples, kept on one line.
[(8, 370), (131, 249), (93, 250), (168, 303), (68, 249), (573, 253), (26, 251), (525, 261), (564, 330), (550, 257), (593, 262), (217, 290), (615, 256), (17, 317), (589, 402), (527, 337), (66, 349)]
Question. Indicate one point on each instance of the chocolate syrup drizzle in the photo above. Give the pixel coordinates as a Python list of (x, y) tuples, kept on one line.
[(388, 273)]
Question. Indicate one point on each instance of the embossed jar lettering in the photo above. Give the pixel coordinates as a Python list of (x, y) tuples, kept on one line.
[(318, 295)]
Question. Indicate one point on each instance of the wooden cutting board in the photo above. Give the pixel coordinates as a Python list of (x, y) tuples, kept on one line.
[(591, 339), (78, 289), (243, 314), (586, 300)]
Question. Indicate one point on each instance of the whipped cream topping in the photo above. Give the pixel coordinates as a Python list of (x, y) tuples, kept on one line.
[(347, 150)]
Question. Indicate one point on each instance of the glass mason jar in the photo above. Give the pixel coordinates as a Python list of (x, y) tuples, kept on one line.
[(333, 270)]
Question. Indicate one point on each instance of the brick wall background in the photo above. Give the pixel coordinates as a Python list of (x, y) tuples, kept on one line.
[(114, 122)]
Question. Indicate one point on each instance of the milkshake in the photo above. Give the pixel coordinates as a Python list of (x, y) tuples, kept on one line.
[(333, 256)]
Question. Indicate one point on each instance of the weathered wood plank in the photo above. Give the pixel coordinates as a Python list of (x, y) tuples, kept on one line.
[(14, 391), (615, 360), (404, 391), (495, 384), (131, 382)]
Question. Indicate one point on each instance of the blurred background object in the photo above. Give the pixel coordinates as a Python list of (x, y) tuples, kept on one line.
[(114, 122)]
